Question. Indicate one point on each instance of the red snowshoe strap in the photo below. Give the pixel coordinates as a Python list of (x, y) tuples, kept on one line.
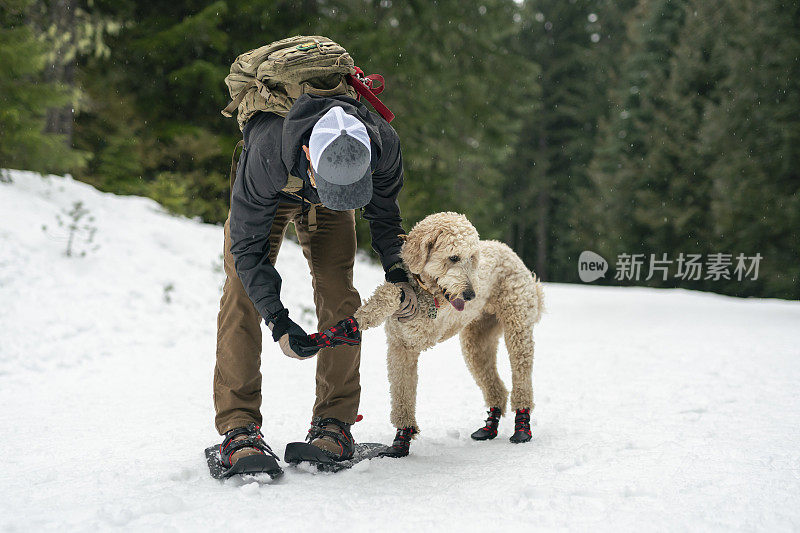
[(365, 86), (343, 436)]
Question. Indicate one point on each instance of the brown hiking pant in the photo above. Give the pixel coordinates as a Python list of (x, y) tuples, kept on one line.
[(330, 251)]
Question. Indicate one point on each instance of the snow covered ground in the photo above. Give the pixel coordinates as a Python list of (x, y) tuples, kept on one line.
[(656, 409)]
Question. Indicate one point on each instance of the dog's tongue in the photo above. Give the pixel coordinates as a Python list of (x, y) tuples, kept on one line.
[(458, 303)]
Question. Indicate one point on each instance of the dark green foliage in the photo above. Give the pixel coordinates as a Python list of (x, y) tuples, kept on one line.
[(751, 139), (698, 154), (549, 160), (25, 98), (154, 123), (629, 202)]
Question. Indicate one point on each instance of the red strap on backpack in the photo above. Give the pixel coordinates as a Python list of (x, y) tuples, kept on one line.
[(365, 86)]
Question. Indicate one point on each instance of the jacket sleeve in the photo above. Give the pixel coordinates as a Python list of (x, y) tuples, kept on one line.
[(253, 207), (383, 211)]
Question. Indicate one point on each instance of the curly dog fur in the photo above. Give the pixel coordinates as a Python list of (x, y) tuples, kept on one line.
[(445, 253)]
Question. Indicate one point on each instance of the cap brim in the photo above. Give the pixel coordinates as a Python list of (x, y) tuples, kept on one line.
[(345, 197)]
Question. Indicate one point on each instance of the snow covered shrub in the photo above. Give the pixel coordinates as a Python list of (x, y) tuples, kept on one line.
[(81, 230), (168, 289)]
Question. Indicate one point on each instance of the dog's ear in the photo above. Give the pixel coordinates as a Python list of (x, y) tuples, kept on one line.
[(417, 247)]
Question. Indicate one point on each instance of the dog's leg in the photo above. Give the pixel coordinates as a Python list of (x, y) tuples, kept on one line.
[(383, 302), (519, 342), (402, 366), (479, 345)]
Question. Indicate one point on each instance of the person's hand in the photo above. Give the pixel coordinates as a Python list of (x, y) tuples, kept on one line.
[(408, 302), (292, 339), (408, 298)]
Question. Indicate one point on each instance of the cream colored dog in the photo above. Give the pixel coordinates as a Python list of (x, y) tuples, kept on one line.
[(478, 289)]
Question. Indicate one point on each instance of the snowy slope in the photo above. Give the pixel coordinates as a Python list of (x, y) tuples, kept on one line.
[(656, 410)]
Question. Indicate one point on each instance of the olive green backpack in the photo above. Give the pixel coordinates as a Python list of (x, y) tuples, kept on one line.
[(272, 77)]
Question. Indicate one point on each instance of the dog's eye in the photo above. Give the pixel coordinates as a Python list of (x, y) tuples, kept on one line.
[(455, 258)]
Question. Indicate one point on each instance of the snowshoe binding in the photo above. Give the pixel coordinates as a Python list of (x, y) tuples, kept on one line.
[(332, 437), (489, 431), (522, 426), (401, 444), (243, 452)]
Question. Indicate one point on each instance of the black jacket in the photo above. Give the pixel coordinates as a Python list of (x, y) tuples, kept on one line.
[(273, 149)]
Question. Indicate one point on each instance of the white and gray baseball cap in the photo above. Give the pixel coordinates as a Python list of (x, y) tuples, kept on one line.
[(340, 155)]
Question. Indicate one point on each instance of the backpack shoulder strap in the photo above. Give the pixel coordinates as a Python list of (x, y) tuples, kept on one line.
[(234, 104), (234, 162)]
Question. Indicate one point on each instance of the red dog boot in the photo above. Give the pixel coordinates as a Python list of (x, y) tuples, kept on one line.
[(489, 431), (522, 426), (401, 444)]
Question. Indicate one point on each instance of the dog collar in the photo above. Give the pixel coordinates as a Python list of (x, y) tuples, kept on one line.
[(431, 311), (424, 287)]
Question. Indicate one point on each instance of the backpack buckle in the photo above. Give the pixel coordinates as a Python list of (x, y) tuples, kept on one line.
[(305, 47)]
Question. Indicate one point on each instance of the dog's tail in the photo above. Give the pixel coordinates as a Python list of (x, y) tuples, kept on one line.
[(539, 298)]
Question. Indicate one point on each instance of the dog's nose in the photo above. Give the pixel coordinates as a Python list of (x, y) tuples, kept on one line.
[(469, 294)]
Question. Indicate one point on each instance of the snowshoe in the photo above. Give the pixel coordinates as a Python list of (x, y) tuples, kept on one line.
[(489, 431), (303, 452), (522, 426), (261, 460), (401, 444)]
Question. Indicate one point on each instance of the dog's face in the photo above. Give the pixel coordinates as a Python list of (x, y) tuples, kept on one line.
[(442, 250)]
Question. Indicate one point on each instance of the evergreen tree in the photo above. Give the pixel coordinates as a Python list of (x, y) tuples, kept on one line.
[(153, 120), (699, 155), (25, 98), (672, 194), (627, 207), (570, 40), (751, 138)]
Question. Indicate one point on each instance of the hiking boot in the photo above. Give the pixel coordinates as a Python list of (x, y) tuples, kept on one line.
[(489, 431), (333, 437), (244, 451)]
